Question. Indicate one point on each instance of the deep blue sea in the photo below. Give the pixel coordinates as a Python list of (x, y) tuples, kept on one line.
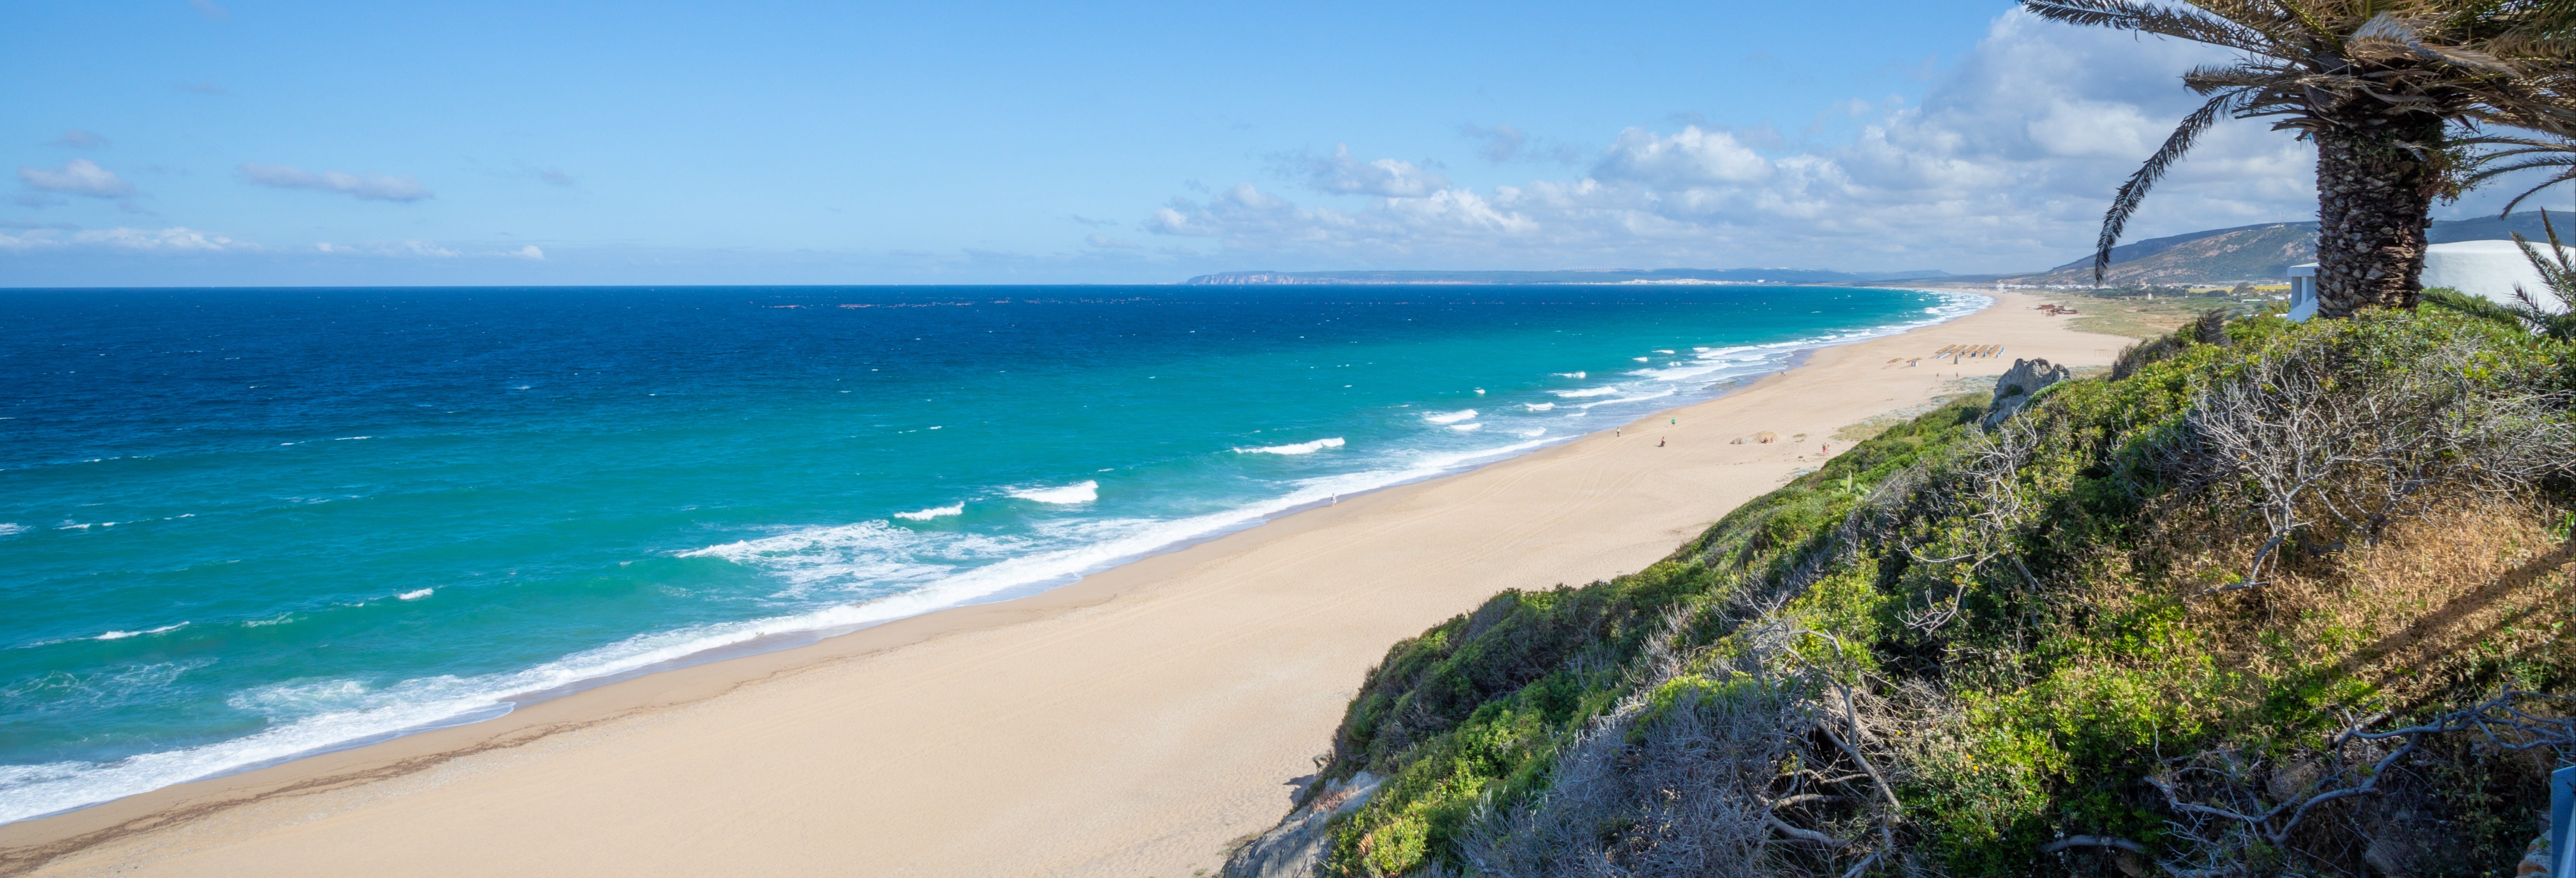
[(240, 525)]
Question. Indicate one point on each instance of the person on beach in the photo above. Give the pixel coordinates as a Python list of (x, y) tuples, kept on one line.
[(1659, 441)]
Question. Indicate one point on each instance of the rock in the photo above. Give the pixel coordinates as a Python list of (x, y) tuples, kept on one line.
[(2020, 385), (1295, 848)]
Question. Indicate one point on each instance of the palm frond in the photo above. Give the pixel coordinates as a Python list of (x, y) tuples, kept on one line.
[(2449, 299), (2558, 272), (2168, 21), (2526, 154), (2135, 190), (2386, 34)]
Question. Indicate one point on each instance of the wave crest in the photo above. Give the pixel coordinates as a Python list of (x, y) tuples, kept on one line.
[(1299, 448)]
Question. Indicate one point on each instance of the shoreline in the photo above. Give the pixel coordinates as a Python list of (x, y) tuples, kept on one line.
[(1690, 391), (641, 698)]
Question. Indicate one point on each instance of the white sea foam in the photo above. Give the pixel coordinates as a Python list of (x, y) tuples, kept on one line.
[(1080, 492), (1299, 448), (1588, 391), (1449, 417), (121, 635), (8, 529), (1466, 428), (415, 594), (1574, 375), (1638, 398), (1538, 406), (1533, 434), (957, 508)]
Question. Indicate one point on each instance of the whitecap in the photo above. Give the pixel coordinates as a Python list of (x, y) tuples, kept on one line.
[(1533, 434), (1638, 359), (1663, 350), (1588, 391), (1538, 406), (121, 635), (8, 529), (957, 508), (1574, 375), (1466, 428), (1082, 492), (1299, 448), (1449, 417), (416, 594)]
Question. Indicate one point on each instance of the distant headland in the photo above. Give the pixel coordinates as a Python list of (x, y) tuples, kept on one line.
[(1582, 276)]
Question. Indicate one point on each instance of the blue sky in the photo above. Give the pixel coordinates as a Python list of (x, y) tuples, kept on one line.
[(255, 142)]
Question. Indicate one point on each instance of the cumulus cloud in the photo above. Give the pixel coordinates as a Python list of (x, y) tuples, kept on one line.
[(77, 177), (78, 139), (2006, 163), (1340, 174), (363, 187), (529, 252)]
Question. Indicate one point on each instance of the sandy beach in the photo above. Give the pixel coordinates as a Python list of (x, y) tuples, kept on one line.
[(1132, 724)]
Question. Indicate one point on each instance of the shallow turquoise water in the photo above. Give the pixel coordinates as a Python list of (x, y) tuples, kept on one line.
[(241, 525)]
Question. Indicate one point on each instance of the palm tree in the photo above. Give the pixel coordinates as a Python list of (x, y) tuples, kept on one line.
[(2377, 85)]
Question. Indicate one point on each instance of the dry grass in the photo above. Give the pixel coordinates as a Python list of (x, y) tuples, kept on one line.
[(2137, 318), (2421, 615)]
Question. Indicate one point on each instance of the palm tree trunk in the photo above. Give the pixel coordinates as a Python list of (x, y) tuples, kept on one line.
[(2375, 191)]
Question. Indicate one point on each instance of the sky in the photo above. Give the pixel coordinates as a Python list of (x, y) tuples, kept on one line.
[(251, 142)]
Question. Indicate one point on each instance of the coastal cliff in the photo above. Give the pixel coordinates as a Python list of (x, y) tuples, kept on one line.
[(2270, 598)]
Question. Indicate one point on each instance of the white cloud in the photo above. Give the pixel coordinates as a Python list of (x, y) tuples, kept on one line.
[(529, 252), (2006, 163), (79, 139), (176, 239), (365, 188), (77, 177), (1340, 174)]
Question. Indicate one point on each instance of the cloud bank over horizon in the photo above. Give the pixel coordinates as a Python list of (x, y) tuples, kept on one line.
[(2005, 164)]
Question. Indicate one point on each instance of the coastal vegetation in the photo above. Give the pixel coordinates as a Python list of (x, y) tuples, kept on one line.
[(2268, 598)]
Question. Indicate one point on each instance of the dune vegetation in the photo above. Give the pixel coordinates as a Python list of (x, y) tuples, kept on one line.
[(2270, 598)]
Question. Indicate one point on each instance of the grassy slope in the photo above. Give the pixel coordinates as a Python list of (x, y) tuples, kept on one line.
[(2058, 690)]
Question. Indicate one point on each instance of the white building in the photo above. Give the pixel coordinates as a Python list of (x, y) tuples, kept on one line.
[(2486, 269)]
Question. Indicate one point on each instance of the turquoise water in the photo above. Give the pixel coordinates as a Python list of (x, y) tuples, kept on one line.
[(238, 526)]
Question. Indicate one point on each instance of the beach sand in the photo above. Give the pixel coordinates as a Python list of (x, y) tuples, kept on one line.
[(1132, 724)]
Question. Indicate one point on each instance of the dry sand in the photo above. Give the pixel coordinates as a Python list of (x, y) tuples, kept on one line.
[(1132, 724)]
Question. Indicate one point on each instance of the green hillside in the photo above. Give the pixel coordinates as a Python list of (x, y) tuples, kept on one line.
[(2265, 601), (2260, 253)]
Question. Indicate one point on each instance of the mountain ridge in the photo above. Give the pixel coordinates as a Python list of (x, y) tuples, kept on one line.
[(2260, 252)]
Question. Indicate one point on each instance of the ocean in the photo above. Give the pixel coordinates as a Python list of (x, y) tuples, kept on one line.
[(239, 526)]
